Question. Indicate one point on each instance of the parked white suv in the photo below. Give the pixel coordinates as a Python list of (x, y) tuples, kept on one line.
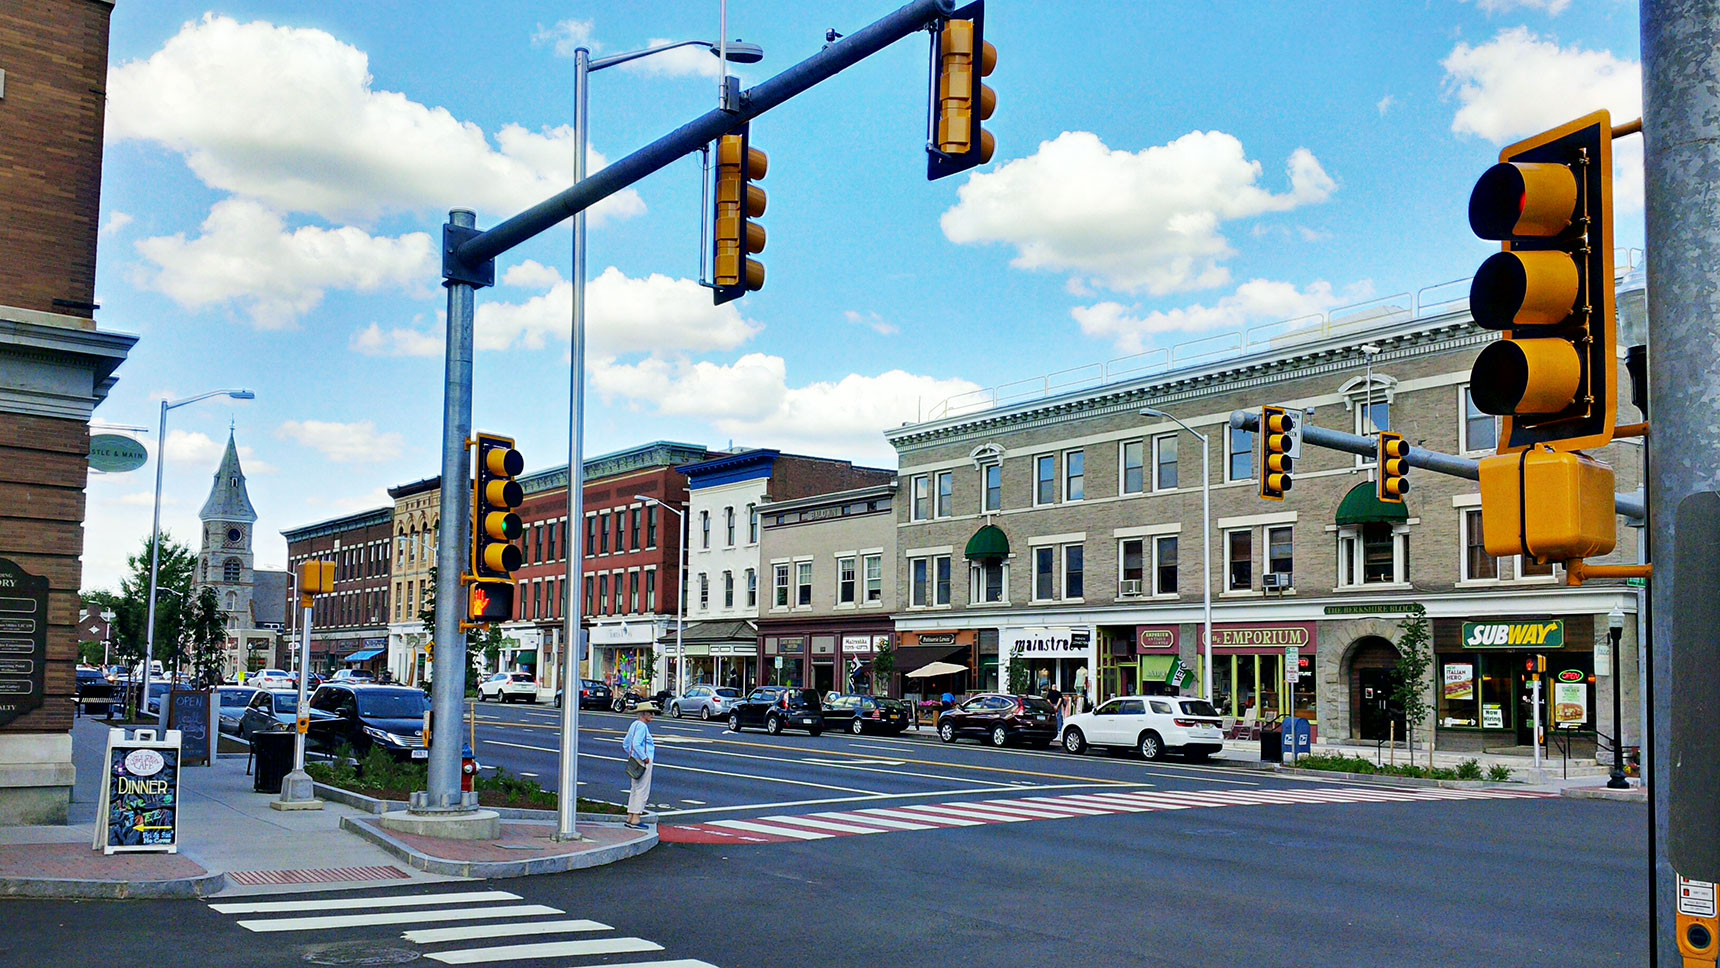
[(1151, 725), (509, 687)]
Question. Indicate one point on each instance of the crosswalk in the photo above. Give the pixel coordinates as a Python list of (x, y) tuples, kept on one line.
[(784, 828), (462, 927)]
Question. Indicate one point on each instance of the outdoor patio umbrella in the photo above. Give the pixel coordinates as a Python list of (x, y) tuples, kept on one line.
[(936, 669)]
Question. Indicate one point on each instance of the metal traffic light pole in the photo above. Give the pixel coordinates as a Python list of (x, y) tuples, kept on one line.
[(468, 263)]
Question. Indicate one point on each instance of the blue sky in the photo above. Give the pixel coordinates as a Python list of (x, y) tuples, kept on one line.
[(276, 173)]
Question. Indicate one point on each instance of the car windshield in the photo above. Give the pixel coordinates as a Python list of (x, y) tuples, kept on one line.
[(159, 688), (393, 704), (728, 693), (1034, 704), (1198, 707), (236, 697), (286, 702)]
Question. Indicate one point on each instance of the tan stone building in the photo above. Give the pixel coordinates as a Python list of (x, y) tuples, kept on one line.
[(1066, 532), (417, 522)]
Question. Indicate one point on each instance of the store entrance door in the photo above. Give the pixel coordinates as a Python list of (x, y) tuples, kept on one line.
[(1375, 719), (823, 676)]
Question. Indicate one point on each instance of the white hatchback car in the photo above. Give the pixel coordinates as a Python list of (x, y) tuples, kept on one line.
[(1151, 725), (509, 687)]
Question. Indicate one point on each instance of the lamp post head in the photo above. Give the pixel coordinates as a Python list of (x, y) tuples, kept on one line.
[(242, 394), (1153, 412), (645, 499), (1615, 619), (108, 616), (740, 52)]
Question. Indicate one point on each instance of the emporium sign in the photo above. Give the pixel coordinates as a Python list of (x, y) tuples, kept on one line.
[(1274, 636)]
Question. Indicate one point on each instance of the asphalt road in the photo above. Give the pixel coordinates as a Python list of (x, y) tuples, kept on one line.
[(894, 851)]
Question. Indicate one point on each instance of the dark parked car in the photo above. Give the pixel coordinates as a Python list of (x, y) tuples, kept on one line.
[(592, 695), (278, 709), (234, 701), (869, 714), (95, 693), (777, 708), (1001, 719), (390, 718)]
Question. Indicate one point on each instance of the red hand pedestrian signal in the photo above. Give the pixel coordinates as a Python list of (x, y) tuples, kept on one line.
[(491, 601)]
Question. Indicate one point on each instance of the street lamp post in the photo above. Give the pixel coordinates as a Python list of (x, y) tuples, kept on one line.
[(583, 65), (155, 526), (680, 596), (107, 636), (1205, 541), (1615, 632)]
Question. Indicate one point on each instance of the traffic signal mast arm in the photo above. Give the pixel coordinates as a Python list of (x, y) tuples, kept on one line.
[(1629, 505)]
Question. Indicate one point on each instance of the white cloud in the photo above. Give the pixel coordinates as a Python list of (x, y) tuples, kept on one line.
[(1128, 221), (349, 504), (397, 341), (116, 221), (344, 443), (1551, 8), (680, 62), (566, 36), (198, 450), (247, 258), (1253, 302), (872, 321), (1518, 84), (289, 116), (1385, 104), (623, 315), (750, 399)]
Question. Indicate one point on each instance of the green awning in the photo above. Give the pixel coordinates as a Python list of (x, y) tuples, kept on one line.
[(1363, 506), (988, 542)]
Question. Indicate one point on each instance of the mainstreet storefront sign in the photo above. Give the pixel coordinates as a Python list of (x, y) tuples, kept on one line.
[(1263, 637), (1549, 634), (23, 640)]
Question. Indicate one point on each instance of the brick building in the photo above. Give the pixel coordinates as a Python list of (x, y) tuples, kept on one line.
[(1067, 532), (55, 368), (349, 627)]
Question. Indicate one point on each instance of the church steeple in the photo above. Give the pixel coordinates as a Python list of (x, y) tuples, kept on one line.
[(228, 500)]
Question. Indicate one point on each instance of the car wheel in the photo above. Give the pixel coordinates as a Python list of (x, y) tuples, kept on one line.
[(857, 727), (1074, 742), (1151, 746), (675, 710), (734, 722), (705, 713), (814, 732), (999, 736), (773, 726), (947, 732)]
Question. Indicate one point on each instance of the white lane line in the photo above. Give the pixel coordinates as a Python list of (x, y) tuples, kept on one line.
[(697, 802), (326, 922), (884, 818), (343, 903), (694, 769), (816, 824), (471, 931), (915, 813), (759, 828), (544, 949), (875, 746)]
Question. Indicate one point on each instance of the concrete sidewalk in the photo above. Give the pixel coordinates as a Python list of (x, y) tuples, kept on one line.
[(232, 843)]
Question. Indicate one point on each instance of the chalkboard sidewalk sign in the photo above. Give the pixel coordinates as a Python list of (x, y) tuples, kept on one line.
[(139, 805), (189, 712)]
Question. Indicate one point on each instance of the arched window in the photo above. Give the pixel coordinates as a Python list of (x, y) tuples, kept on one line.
[(232, 601), (231, 570)]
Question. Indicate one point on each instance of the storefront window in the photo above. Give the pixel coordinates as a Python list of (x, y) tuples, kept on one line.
[(1377, 553), (1459, 698)]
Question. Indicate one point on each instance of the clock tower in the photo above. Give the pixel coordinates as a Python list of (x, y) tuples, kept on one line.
[(225, 562)]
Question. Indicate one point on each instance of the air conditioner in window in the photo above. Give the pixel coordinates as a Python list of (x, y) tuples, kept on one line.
[(1275, 581), (1129, 586)]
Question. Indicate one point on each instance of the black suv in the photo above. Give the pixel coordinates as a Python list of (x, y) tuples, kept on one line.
[(390, 718), (777, 708), (1001, 719)]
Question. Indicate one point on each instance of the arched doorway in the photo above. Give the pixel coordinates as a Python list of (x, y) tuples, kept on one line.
[(1373, 665)]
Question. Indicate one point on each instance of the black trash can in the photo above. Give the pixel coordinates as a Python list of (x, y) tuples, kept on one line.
[(273, 754), (1272, 746)]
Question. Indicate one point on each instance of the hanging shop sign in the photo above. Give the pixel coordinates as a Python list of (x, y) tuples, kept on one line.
[(23, 640), (1150, 639), (138, 808), (115, 454), (936, 638), (1514, 635), (1263, 637)]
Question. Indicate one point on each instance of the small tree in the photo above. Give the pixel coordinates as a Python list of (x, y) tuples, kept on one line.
[(206, 637), (883, 665), (1409, 683), (1020, 675)]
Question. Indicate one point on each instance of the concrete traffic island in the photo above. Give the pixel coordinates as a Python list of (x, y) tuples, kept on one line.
[(453, 825), (520, 848)]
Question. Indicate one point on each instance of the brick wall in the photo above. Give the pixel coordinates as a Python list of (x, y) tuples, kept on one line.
[(51, 150), (792, 477)]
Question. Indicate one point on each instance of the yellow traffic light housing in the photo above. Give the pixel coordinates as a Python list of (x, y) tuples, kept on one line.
[(734, 234), (1279, 437), (1392, 458), (495, 528), (1553, 375), (315, 578), (1548, 505), (960, 102)]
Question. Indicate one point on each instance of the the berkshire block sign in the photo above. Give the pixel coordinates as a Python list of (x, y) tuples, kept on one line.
[(23, 640)]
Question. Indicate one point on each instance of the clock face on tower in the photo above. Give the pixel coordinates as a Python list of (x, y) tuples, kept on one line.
[(234, 536)]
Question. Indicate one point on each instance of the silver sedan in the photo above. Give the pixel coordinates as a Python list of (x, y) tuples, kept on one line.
[(705, 702)]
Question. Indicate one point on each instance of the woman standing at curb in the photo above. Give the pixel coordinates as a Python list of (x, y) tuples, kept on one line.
[(641, 752)]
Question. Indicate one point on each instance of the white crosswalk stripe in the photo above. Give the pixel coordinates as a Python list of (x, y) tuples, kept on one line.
[(818, 824), (510, 933), (764, 828)]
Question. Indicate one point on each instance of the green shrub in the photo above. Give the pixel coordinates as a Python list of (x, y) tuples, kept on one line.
[(1499, 772), (1469, 769)]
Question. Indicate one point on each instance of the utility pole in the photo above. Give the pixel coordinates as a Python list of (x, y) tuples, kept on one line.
[(1681, 128)]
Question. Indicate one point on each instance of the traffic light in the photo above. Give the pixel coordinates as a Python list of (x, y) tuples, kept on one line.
[(1280, 434), (1548, 505), (960, 103), (738, 201), (495, 526), (1552, 375), (1393, 460)]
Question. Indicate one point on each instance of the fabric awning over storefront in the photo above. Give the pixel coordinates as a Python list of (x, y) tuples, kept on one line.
[(1363, 506), (988, 542), (363, 655)]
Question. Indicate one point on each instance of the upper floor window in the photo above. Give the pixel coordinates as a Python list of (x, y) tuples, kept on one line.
[(993, 496), (802, 584), (1239, 560), (1372, 554), (1280, 551), (874, 566), (729, 526), (752, 588), (728, 589), (1478, 565), (603, 533), (779, 576), (632, 528), (1165, 462), (705, 529), (929, 581), (1059, 571), (704, 591), (1075, 476), (1480, 430), (752, 524), (946, 493), (920, 504), (590, 535), (845, 581), (1165, 565), (1239, 454), (990, 581), (1045, 479), (1132, 458), (651, 527)]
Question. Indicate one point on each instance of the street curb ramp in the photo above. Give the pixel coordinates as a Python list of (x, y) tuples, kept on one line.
[(558, 864)]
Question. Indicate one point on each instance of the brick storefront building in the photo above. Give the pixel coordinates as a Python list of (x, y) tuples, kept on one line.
[(55, 367), (349, 627)]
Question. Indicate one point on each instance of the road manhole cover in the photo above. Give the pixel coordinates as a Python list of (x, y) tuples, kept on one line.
[(359, 953)]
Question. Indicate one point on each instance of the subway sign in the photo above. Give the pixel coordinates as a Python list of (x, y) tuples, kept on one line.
[(1514, 635)]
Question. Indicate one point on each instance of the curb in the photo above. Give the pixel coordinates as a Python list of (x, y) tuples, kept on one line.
[(1633, 795), (63, 887), (1397, 781), (359, 801), (500, 869)]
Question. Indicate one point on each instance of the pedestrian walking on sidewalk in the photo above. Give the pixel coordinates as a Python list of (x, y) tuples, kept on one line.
[(641, 754)]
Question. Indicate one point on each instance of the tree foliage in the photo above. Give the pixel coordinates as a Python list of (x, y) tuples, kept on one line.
[(206, 637), (1415, 660)]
